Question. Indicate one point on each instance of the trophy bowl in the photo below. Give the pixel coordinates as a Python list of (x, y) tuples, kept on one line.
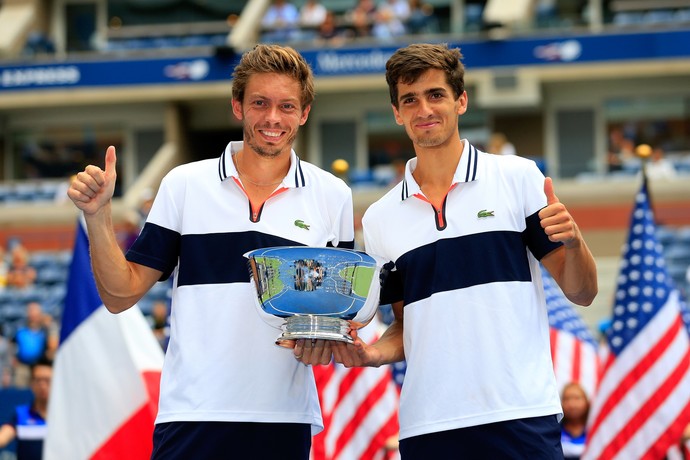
[(312, 292)]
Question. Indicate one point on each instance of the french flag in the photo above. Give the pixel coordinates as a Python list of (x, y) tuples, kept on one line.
[(106, 375)]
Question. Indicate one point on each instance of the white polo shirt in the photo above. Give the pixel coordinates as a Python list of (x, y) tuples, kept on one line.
[(476, 331), (222, 363)]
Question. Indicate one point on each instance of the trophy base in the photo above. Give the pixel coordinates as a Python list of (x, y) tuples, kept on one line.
[(315, 327)]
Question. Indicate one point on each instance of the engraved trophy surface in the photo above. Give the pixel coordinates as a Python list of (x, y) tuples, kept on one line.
[(312, 292)]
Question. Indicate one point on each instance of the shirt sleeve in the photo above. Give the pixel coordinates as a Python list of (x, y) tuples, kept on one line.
[(534, 200)]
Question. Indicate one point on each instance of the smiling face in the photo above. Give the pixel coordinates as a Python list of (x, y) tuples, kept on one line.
[(428, 110), (271, 113)]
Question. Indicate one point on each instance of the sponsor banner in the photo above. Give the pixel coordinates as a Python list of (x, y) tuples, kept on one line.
[(349, 60)]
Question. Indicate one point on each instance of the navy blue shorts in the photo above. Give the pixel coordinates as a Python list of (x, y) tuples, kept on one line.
[(537, 438), (226, 440)]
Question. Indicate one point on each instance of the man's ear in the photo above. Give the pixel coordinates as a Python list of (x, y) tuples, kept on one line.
[(396, 114), (237, 108), (305, 115)]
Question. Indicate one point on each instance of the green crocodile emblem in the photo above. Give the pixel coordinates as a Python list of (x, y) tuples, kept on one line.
[(300, 223), (483, 213)]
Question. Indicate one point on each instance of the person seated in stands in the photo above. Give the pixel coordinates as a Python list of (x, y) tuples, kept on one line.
[(160, 323), (20, 274), (500, 145), (362, 18), (621, 153), (38, 42), (32, 342), (311, 15), (329, 32), (280, 22), (28, 425), (390, 19), (4, 268), (6, 357), (658, 166), (573, 425), (422, 19)]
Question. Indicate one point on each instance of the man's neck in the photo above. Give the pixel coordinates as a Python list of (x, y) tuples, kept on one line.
[(436, 166)]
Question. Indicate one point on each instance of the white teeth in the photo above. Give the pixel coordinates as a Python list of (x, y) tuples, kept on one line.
[(270, 134)]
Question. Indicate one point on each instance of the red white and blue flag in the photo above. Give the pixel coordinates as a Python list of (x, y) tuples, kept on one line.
[(104, 393), (574, 349), (642, 403), (359, 407)]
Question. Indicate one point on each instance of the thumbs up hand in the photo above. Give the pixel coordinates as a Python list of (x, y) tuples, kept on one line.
[(93, 188), (555, 219)]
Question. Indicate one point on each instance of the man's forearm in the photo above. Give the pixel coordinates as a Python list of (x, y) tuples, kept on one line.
[(112, 272), (390, 345)]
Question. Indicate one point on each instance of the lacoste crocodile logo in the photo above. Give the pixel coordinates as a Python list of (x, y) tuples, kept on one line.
[(485, 213), (300, 223)]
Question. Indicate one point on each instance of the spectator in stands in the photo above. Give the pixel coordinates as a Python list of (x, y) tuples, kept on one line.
[(311, 15), (362, 17), (500, 145), (329, 32), (28, 425), (458, 300), (21, 274), (390, 19), (160, 323), (659, 166), (398, 165), (32, 343), (575, 405), (422, 19), (129, 229), (280, 22), (6, 357), (145, 203), (621, 151), (226, 387), (4, 268), (53, 341), (37, 43), (546, 13)]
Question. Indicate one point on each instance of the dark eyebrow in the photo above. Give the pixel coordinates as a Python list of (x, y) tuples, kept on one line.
[(440, 89), (406, 95)]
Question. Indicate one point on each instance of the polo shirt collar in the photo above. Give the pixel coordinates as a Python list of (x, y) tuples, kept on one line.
[(465, 172), (226, 167)]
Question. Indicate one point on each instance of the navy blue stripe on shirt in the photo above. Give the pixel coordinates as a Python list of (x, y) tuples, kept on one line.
[(221, 167), (473, 149), (209, 258), (216, 258), (457, 263), (299, 175), (471, 172), (156, 247)]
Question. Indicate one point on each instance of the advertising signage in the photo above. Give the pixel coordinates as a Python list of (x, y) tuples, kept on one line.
[(345, 61)]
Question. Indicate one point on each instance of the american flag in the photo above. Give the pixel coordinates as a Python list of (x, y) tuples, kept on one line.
[(574, 349), (360, 410), (642, 404)]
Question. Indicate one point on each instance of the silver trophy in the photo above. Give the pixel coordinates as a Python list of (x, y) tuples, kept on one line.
[(311, 292)]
